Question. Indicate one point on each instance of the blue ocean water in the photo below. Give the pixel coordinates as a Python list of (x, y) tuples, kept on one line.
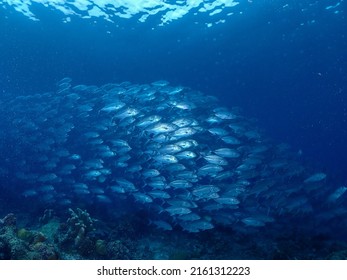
[(283, 63)]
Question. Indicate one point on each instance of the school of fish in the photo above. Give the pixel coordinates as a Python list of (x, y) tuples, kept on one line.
[(177, 153)]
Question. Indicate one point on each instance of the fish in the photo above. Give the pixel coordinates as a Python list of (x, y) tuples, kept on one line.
[(142, 197), (180, 184), (148, 173), (214, 159), (159, 128), (159, 194), (317, 177), (218, 131), (337, 194), (177, 210), (184, 132), (113, 107), (227, 153), (231, 140), (147, 121), (170, 149), (196, 226), (252, 222), (163, 225), (227, 200), (186, 155), (165, 159), (125, 113), (210, 170), (205, 191)]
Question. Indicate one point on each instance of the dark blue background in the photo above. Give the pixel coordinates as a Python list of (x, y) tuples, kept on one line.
[(286, 67)]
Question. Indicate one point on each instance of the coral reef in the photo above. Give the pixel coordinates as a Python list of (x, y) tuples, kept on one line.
[(22, 244), (9, 220), (47, 216), (339, 255), (101, 247), (74, 233), (79, 236), (90, 238), (43, 251)]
